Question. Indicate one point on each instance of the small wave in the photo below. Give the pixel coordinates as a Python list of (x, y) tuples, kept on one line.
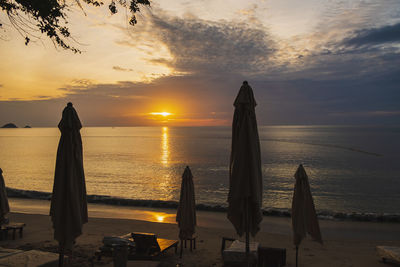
[(326, 145), (18, 193), (109, 200), (340, 216)]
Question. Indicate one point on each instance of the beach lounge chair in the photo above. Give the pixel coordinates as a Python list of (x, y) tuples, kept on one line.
[(146, 246), (389, 254)]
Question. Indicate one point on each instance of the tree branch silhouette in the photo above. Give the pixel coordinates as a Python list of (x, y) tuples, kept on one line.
[(34, 18)]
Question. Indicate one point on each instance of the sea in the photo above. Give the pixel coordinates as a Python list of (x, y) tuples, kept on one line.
[(354, 171)]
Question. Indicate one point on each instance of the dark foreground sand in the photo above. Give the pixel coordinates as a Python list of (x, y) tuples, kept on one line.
[(346, 243)]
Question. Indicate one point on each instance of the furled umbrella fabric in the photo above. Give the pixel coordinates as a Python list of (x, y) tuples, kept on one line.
[(245, 178), (186, 214), (4, 207), (304, 217), (68, 208)]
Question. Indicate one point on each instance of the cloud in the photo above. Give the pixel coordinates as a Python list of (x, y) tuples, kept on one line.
[(340, 52), (121, 90), (43, 97), (374, 36), (226, 48), (325, 52), (118, 68), (201, 46)]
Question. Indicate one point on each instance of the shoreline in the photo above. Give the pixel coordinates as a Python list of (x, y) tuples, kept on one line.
[(157, 204), (331, 229)]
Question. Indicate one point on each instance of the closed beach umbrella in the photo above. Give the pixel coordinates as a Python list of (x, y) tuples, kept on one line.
[(4, 207), (186, 214), (304, 217), (245, 179), (68, 208)]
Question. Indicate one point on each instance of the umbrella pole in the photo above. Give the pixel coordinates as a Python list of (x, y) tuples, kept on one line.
[(247, 233), (247, 248), (61, 257), (247, 242), (247, 227), (297, 254)]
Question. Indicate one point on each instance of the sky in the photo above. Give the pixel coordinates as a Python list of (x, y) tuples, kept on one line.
[(309, 62)]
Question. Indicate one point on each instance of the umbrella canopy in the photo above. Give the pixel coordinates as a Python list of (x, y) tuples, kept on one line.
[(245, 179), (4, 207), (186, 214), (304, 217), (68, 208)]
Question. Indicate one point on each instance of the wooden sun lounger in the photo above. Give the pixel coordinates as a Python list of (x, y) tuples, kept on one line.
[(154, 247), (149, 246)]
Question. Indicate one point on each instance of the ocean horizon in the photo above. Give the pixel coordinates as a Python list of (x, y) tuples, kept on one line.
[(352, 169)]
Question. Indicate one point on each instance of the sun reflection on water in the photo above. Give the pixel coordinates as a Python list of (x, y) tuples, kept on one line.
[(164, 147)]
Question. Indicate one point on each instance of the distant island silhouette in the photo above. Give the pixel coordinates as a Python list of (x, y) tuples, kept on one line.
[(9, 125), (27, 126)]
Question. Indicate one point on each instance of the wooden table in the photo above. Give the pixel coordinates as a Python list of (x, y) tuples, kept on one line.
[(12, 227)]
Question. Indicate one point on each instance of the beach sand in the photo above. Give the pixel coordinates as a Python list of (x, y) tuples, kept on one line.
[(345, 243)]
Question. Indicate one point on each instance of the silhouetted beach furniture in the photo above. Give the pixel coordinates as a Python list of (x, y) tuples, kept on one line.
[(304, 217), (192, 242), (271, 257), (13, 228), (245, 177), (141, 246), (4, 207), (5, 225), (235, 253), (68, 209), (149, 245), (389, 254), (186, 213), (119, 248)]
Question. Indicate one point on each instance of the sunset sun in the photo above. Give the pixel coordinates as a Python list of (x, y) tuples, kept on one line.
[(164, 114)]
